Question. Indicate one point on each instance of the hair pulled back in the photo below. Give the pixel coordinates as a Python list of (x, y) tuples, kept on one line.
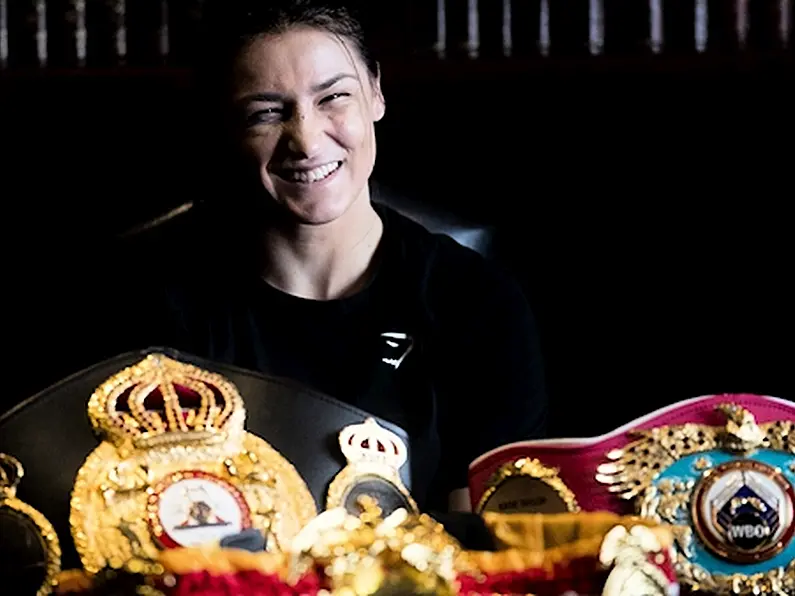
[(230, 26)]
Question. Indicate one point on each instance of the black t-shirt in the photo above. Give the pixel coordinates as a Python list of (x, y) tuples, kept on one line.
[(440, 342)]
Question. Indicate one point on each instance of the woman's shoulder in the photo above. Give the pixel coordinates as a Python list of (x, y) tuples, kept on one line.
[(423, 244), (454, 276)]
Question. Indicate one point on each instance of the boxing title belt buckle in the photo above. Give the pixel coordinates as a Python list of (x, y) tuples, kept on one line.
[(176, 468), (30, 538), (725, 489), (375, 456), (719, 469)]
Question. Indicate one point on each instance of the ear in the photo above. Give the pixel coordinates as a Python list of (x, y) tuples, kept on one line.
[(379, 105)]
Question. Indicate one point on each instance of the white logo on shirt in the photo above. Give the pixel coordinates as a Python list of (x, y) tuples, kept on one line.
[(400, 345)]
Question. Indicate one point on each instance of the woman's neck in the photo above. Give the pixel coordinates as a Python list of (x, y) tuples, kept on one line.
[(324, 262)]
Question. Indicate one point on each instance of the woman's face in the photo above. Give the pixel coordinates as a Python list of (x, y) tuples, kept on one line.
[(309, 106)]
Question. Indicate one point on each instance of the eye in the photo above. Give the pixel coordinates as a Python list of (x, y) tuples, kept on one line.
[(334, 97), (266, 115)]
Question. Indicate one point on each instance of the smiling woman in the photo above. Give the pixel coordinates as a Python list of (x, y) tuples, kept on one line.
[(342, 295), (309, 124)]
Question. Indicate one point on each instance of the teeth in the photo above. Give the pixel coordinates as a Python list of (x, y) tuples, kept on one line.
[(312, 175)]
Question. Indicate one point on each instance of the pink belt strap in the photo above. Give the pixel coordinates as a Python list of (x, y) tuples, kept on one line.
[(577, 460)]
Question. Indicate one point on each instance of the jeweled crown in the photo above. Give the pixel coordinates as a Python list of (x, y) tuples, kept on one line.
[(370, 442), (159, 401)]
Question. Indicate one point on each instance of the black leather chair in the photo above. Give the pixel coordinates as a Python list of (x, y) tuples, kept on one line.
[(479, 238)]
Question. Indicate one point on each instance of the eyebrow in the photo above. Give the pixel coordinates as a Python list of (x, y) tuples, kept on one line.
[(318, 88)]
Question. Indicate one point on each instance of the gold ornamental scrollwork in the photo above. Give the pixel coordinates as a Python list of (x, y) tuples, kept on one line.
[(634, 557), (526, 468), (176, 468), (732, 502), (11, 474), (369, 553)]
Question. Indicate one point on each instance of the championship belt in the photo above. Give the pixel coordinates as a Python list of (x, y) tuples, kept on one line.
[(177, 469), (301, 424), (375, 456), (31, 554), (718, 469)]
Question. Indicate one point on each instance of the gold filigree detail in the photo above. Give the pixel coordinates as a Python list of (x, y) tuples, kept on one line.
[(779, 435), (636, 466), (368, 554), (11, 473), (742, 434), (669, 502), (529, 468), (161, 401), (166, 420), (632, 570), (633, 468), (632, 471)]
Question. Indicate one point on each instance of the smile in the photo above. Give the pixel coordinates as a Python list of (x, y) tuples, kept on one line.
[(310, 176)]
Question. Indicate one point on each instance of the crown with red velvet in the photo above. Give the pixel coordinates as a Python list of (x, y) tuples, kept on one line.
[(160, 401)]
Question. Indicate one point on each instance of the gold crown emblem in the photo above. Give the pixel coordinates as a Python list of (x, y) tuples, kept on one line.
[(369, 442), (176, 468), (160, 401)]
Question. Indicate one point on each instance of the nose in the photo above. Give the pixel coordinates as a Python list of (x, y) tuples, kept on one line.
[(303, 134)]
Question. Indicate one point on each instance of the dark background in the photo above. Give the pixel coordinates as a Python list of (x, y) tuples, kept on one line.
[(642, 200)]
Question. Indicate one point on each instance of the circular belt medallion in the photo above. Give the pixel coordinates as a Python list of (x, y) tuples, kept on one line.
[(30, 554), (743, 511), (526, 486), (176, 468), (375, 456), (193, 508)]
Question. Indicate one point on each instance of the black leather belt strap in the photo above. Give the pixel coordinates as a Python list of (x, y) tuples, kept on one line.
[(50, 433)]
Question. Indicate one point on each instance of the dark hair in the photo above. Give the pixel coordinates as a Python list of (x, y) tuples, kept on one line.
[(228, 27), (231, 25)]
